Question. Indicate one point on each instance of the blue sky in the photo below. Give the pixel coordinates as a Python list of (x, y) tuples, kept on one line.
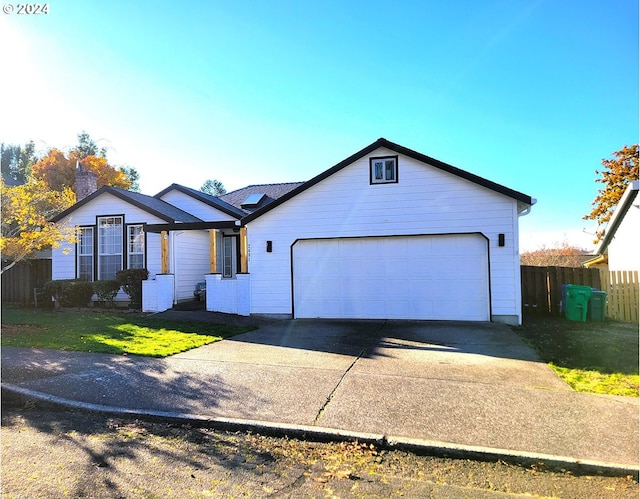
[(529, 94)]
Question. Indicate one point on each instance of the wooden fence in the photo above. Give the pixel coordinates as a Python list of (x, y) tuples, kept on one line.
[(542, 286), (19, 281), (622, 288), (542, 290)]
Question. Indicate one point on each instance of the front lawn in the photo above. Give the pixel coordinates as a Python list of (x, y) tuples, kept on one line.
[(595, 357), (115, 332)]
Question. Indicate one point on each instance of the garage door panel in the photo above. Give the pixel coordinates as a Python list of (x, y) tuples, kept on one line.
[(421, 268), (418, 277), (399, 308)]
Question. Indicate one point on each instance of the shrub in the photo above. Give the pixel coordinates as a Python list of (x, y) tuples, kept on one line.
[(70, 292), (106, 291), (131, 282), (80, 293), (56, 289)]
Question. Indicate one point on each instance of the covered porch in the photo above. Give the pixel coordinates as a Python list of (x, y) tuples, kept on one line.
[(190, 253)]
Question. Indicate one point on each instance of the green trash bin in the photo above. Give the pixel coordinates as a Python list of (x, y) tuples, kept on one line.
[(576, 302), (597, 305)]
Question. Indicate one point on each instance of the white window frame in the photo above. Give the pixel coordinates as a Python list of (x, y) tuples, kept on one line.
[(110, 244), (85, 250), (229, 257), (383, 170), (135, 245)]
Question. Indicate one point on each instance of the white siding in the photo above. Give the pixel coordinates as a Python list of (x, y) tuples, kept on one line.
[(64, 257), (189, 255), (154, 256), (624, 249), (196, 208), (426, 200)]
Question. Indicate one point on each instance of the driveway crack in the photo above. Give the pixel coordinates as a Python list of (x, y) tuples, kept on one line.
[(326, 403), (344, 374)]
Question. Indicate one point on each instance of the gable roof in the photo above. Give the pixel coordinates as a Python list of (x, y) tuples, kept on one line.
[(151, 205), (626, 201), (208, 199), (382, 142), (270, 192)]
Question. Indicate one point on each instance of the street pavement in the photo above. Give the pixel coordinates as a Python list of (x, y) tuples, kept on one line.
[(458, 389)]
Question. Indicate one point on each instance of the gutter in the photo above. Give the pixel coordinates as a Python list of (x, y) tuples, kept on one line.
[(601, 259), (524, 212)]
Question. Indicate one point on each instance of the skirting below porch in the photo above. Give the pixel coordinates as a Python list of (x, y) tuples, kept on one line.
[(231, 296), (157, 293)]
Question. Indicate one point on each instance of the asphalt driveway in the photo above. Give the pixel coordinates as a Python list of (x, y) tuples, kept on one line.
[(452, 384)]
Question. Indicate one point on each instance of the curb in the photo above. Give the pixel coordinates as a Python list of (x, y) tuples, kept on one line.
[(314, 433)]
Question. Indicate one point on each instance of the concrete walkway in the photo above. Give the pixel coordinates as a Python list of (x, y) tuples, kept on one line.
[(459, 389)]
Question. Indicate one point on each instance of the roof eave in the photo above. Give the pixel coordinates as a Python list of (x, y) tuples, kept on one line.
[(173, 226), (519, 196), (114, 192)]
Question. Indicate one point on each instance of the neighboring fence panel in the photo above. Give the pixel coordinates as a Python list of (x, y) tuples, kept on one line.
[(569, 275), (622, 288), (542, 290), (19, 281), (542, 286)]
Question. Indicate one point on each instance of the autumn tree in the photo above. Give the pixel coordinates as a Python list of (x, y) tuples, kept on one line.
[(213, 187), (87, 147), (58, 170), (26, 211), (48, 190), (616, 174)]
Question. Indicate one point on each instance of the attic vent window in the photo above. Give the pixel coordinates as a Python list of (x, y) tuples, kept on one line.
[(252, 200), (383, 170)]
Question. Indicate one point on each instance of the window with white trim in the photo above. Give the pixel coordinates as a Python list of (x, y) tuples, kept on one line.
[(85, 253), (228, 257), (110, 247), (384, 170), (135, 253)]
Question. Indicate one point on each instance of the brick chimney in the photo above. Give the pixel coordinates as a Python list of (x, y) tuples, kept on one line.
[(86, 182)]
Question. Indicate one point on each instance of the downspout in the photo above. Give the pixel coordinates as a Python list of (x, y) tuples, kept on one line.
[(521, 213)]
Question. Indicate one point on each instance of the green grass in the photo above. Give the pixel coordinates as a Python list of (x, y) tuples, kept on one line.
[(593, 357), (593, 381), (112, 332)]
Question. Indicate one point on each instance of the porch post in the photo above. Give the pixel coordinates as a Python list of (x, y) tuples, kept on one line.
[(213, 251), (164, 251), (243, 251)]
